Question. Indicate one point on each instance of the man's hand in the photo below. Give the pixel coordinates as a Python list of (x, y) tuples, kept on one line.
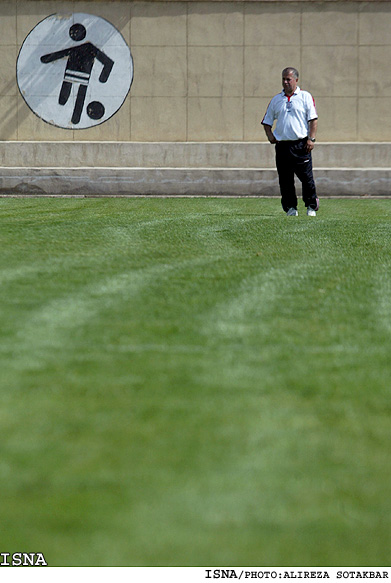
[(309, 146)]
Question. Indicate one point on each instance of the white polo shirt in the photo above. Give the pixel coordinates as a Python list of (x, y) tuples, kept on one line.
[(292, 114)]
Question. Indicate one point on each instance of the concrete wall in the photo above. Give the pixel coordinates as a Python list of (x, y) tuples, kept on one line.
[(184, 168), (205, 71)]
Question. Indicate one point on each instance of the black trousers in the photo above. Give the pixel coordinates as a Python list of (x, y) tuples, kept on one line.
[(292, 159)]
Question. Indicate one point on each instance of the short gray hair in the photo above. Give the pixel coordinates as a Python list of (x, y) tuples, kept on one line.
[(294, 71)]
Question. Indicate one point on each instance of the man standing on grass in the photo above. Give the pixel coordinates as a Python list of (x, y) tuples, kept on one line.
[(294, 137)]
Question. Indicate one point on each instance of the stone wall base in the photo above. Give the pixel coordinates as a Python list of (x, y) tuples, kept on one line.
[(183, 169)]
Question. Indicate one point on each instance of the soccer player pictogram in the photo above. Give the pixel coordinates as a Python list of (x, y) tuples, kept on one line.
[(74, 71), (81, 59)]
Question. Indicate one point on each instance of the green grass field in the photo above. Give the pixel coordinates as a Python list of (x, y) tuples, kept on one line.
[(195, 382)]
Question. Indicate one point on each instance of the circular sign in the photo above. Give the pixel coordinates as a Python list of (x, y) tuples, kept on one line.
[(74, 71)]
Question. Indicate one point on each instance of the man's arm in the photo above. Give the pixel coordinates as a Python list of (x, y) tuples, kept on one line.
[(107, 66), (50, 57), (312, 128), (269, 133)]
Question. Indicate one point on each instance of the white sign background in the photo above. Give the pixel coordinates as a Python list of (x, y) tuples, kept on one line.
[(40, 83)]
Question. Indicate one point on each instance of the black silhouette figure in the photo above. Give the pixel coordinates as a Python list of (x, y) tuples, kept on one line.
[(81, 60)]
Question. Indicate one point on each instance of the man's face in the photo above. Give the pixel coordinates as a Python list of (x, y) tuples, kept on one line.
[(289, 82)]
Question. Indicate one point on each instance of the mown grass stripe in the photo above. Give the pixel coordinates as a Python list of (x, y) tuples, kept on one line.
[(195, 382)]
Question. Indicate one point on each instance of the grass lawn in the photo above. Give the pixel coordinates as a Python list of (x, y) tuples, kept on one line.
[(195, 382)]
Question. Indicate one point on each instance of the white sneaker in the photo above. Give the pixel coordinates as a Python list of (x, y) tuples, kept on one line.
[(292, 213), (311, 212)]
